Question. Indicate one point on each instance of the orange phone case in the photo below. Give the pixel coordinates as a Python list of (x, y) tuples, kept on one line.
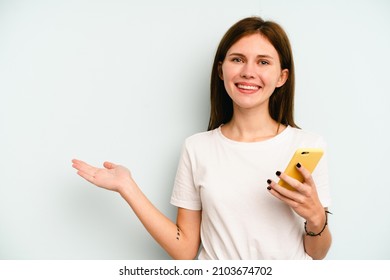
[(308, 158)]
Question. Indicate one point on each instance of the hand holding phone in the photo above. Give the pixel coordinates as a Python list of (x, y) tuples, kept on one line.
[(308, 158)]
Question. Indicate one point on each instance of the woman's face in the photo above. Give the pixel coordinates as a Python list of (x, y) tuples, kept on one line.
[(251, 71)]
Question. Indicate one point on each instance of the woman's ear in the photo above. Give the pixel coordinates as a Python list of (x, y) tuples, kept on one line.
[(220, 73), (283, 78)]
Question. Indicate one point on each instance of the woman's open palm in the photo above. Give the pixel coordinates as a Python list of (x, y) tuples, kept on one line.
[(111, 177)]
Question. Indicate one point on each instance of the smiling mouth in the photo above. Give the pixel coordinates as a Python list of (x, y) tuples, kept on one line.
[(247, 87)]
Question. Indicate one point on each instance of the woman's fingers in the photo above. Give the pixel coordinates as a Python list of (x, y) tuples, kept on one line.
[(89, 169), (294, 183), (84, 167), (303, 194), (87, 176), (109, 165), (291, 198), (304, 199), (286, 195), (86, 171), (307, 178), (301, 187)]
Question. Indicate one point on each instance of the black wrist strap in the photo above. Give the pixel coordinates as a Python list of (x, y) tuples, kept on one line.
[(310, 233)]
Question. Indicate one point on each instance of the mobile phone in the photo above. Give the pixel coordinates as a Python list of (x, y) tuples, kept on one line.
[(308, 158)]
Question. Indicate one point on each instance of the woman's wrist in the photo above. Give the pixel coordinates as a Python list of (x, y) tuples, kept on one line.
[(316, 226), (127, 187), (316, 221)]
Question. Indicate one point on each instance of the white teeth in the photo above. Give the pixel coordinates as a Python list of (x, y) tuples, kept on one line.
[(248, 87)]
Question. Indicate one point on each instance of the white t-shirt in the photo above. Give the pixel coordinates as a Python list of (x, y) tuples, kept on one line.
[(227, 180)]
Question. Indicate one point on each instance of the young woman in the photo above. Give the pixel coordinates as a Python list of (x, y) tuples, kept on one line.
[(229, 203)]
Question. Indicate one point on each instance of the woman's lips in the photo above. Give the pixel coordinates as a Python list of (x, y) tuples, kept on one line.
[(247, 87)]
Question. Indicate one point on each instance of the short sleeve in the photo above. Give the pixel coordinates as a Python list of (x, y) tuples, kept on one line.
[(185, 193)]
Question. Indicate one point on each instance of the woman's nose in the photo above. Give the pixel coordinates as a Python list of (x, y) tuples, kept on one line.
[(248, 71)]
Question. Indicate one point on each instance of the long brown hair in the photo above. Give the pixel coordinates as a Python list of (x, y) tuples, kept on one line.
[(281, 103)]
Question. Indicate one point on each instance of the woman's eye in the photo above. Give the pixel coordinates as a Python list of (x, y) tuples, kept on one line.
[(263, 62), (237, 59)]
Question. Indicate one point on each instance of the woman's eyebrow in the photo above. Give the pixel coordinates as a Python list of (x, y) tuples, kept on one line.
[(258, 56), (265, 56), (236, 54)]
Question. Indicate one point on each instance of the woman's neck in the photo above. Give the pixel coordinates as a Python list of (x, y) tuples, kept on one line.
[(251, 126)]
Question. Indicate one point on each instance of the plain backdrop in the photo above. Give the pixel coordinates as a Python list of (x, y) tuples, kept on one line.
[(128, 81)]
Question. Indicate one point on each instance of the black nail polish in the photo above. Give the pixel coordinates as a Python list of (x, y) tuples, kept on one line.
[(278, 173), (298, 165), (269, 181), (269, 188)]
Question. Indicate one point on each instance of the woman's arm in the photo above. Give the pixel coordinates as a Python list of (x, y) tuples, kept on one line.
[(305, 202), (317, 246), (180, 240)]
